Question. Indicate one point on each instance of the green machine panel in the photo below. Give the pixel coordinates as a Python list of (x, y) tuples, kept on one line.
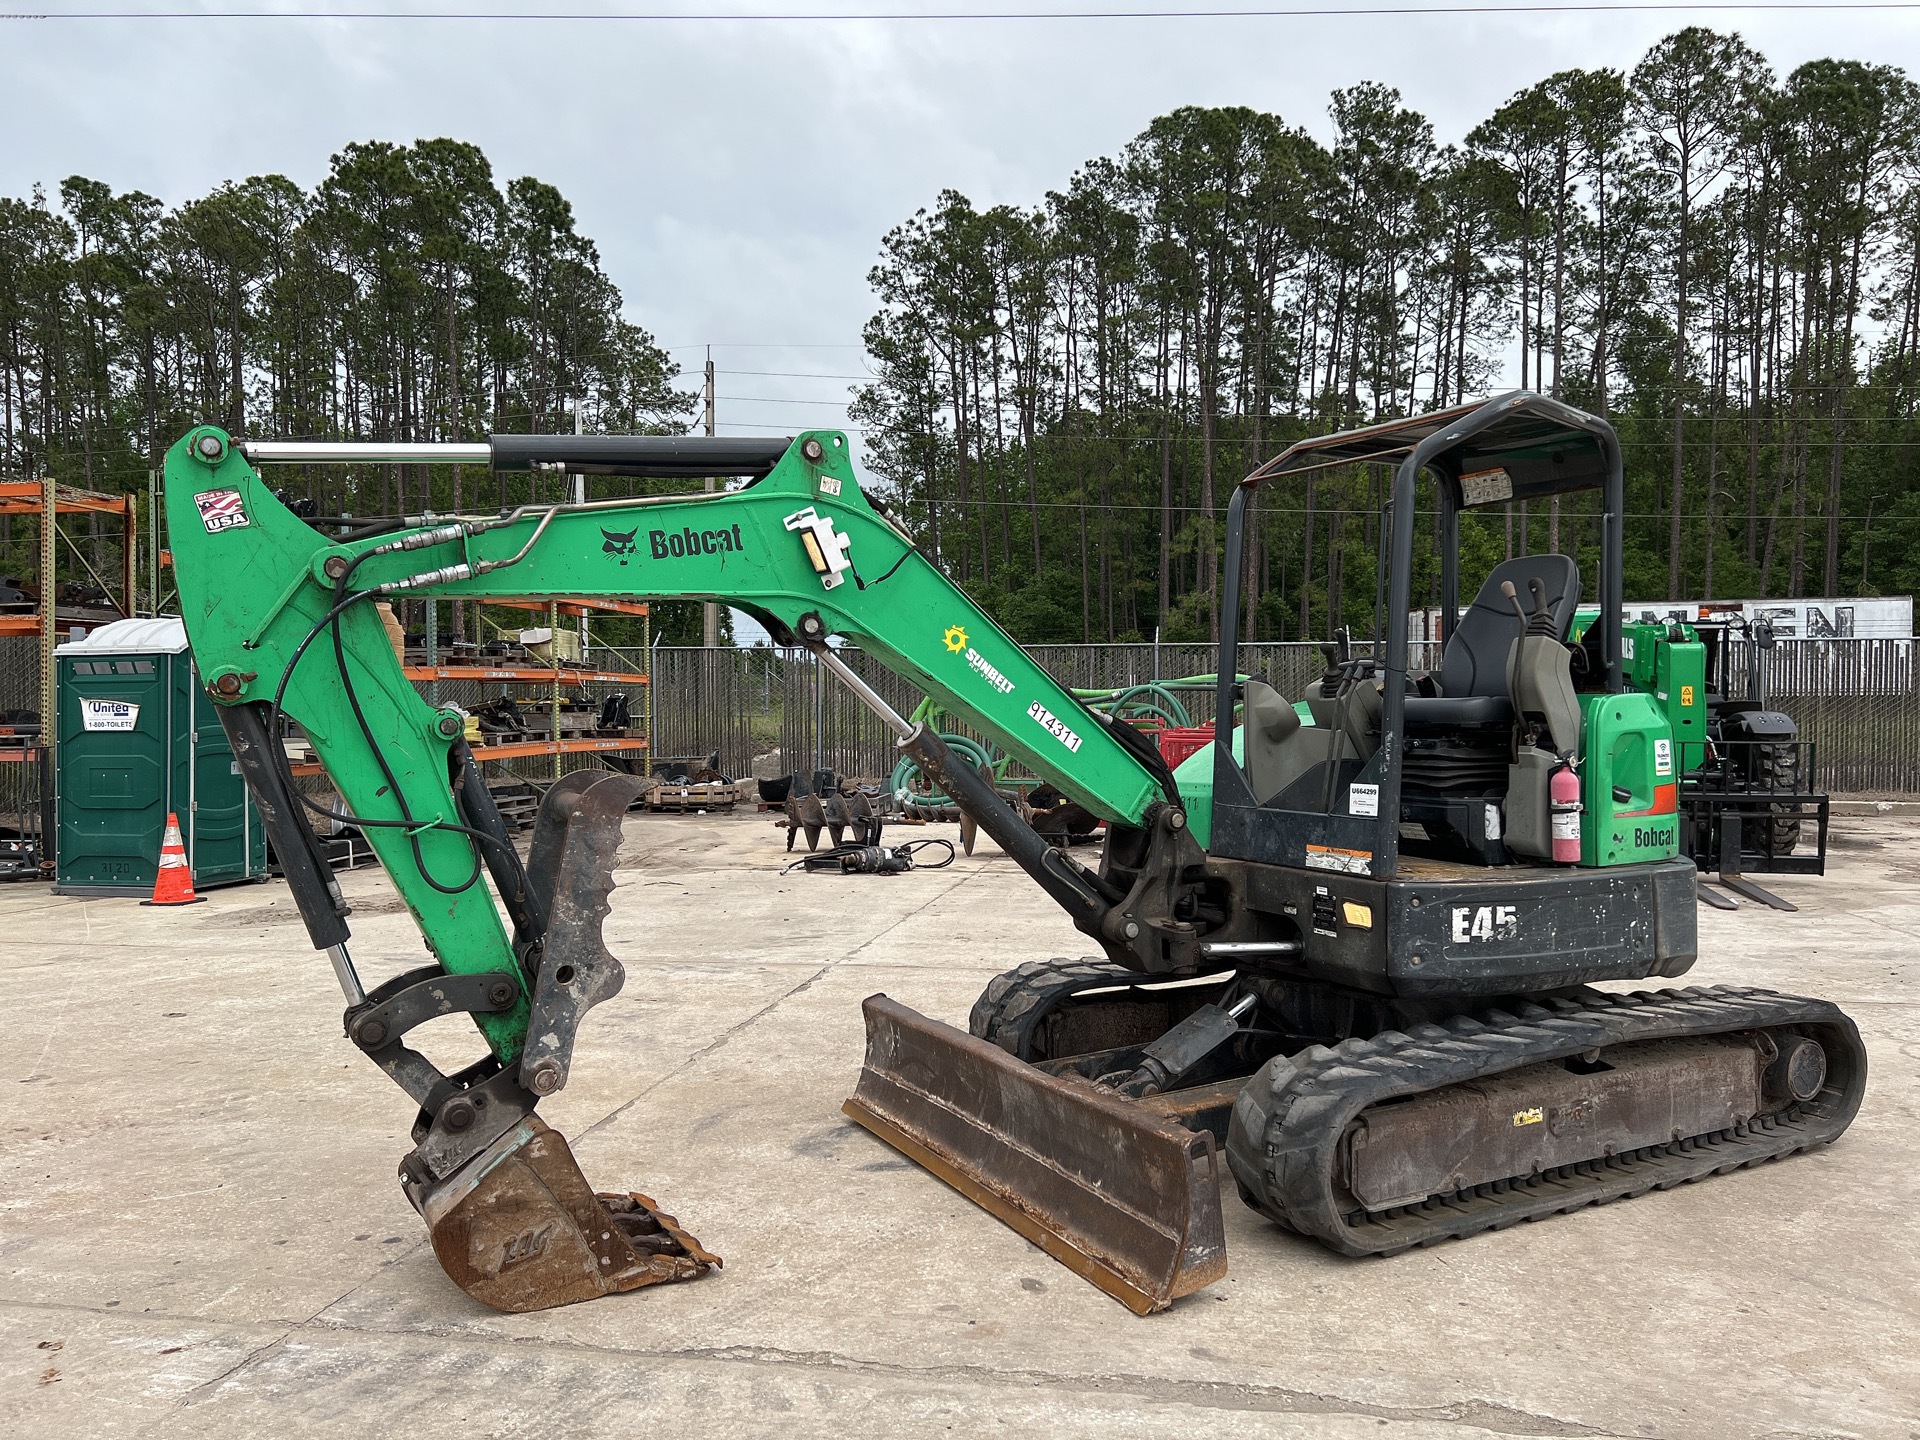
[(1629, 782), (1668, 662), (136, 739)]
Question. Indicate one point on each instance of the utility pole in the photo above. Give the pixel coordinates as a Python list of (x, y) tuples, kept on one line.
[(710, 630)]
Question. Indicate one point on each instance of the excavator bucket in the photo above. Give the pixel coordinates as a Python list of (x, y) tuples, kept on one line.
[(1124, 1198), (520, 1229), (517, 1226)]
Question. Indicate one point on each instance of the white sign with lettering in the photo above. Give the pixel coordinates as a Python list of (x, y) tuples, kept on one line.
[(108, 715)]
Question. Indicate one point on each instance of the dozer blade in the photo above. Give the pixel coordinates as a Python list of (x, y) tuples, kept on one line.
[(1124, 1198), (520, 1229)]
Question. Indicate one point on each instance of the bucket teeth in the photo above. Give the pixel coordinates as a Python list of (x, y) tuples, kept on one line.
[(520, 1229)]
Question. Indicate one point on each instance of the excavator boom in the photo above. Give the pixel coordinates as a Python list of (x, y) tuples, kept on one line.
[(280, 621)]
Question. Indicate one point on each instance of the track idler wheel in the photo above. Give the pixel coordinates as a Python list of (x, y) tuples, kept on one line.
[(518, 1228)]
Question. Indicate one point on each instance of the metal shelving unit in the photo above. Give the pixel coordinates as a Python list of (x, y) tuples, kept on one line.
[(555, 679)]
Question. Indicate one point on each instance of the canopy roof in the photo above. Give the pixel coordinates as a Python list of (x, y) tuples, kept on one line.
[(1513, 447)]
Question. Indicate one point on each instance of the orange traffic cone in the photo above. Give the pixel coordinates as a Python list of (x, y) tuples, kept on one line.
[(174, 884)]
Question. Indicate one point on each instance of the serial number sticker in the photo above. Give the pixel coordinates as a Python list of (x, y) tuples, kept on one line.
[(1532, 1115), (221, 510), (1363, 799), (1054, 726), (1344, 862)]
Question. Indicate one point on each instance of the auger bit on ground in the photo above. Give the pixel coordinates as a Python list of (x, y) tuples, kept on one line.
[(512, 1219)]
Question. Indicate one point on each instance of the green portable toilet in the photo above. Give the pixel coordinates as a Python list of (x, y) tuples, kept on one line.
[(137, 738)]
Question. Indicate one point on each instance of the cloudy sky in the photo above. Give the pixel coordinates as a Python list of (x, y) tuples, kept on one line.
[(738, 174)]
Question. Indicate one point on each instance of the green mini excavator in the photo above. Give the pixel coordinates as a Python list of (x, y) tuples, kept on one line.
[(1350, 946)]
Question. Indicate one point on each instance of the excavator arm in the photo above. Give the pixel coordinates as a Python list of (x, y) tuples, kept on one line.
[(280, 619)]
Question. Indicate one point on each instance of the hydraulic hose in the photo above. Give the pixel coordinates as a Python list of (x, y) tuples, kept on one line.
[(909, 768)]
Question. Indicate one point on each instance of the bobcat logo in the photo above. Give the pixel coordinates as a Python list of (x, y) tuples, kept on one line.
[(618, 545), (527, 1245)]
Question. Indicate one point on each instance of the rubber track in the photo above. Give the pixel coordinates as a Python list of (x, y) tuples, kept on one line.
[(1014, 1003), (1289, 1123)]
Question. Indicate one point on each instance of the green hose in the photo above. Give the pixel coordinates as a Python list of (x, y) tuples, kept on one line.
[(1149, 700), (908, 770)]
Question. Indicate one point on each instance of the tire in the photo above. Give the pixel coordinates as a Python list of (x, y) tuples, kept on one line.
[(1777, 767)]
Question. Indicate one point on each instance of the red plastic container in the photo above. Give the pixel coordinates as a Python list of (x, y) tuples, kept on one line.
[(1177, 744)]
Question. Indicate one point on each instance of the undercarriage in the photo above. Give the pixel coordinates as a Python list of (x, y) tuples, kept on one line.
[(1368, 1124)]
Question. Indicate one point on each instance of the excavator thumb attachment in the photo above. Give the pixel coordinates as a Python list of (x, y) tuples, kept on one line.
[(519, 1228), (1120, 1196)]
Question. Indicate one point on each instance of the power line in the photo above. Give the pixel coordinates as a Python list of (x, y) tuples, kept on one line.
[(800, 375), (787, 429), (777, 400), (776, 374), (771, 344), (943, 16), (1818, 445), (1182, 513)]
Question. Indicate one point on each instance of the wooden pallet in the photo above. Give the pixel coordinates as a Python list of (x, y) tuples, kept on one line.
[(516, 801), (502, 737), (683, 799)]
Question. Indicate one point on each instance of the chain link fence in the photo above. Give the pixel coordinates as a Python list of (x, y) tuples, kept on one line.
[(1858, 701), (746, 703), (20, 779)]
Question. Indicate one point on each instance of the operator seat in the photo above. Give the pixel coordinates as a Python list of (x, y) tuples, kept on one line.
[(1473, 671)]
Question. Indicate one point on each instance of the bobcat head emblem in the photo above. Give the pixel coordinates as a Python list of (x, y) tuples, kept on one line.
[(618, 545)]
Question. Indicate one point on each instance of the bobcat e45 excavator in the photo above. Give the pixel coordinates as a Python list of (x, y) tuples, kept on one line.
[(1353, 946)]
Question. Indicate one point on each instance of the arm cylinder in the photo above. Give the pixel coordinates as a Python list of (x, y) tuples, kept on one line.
[(314, 890), (1055, 872), (502, 860)]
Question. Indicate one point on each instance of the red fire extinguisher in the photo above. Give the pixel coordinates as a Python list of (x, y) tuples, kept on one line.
[(1563, 795)]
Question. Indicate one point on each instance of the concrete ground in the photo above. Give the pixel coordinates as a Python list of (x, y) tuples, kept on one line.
[(200, 1232)]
